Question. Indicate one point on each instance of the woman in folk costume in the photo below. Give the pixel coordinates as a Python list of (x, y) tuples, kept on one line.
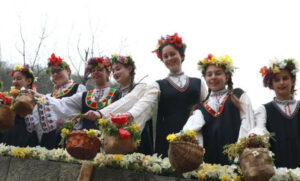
[(126, 100), (63, 87), (97, 98), (226, 114), (22, 133), (177, 92), (281, 115)]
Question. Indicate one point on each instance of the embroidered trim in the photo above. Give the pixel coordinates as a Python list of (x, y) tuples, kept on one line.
[(98, 105), (29, 123), (284, 114), (64, 91), (47, 124), (211, 111), (177, 87)]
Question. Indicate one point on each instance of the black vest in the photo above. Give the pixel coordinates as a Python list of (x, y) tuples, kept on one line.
[(86, 123), (221, 130), (174, 109), (286, 146)]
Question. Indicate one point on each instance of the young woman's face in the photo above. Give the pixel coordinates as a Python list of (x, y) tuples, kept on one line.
[(19, 80), (172, 59), (121, 74), (282, 83), (59, 76), (215, 78), (100, 76)]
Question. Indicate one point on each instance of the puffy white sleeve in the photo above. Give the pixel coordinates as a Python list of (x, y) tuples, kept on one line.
[(143, 109), (196, 122), (125, 103), (260, 121), (81, 88), (204, 91), (247, 116)]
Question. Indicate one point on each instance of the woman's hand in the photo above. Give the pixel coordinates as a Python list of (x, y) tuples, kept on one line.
[(34, 93), (92, 115)]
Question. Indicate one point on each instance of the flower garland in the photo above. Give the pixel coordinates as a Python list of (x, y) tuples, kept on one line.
[(100, 62), (225, 61), (56, 62), (115, 58), (171, 39), (152, 164), (25, 69), (275, 66)]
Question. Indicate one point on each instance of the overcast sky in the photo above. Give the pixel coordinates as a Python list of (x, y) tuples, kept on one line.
[(251, 32)]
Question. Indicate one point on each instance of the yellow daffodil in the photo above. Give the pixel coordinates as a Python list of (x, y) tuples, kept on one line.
[(200, 176), (91, 133), (118, 157), (17, 67), (225, 177), (191, 133), (101, 121), (65, 132), (171, 137), (275, 70), (134, 127)]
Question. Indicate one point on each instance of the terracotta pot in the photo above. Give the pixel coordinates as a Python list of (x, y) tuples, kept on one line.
[(185, 156), (80, 146), (7, 118), (256, 164), (117, 145)]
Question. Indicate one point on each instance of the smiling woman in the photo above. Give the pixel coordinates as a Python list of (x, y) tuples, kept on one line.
[(226, 114), (281, 115)]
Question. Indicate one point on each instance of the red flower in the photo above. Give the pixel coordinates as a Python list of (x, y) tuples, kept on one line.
[(120, 119), (99, 60), (56, 61), (124, 134), (209, 56), (263, 71), (157, 53), (12, 74), (7, 101)]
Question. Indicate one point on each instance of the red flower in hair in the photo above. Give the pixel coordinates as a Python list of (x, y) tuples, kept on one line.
[(124, 134), (157, 53), (209, 56), (263, 71), (175, 39), (99, 60), (56, 61)]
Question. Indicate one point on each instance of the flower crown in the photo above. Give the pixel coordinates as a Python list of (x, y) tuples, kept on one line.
[(275, 66), (115, 58), (219, 61), (56, 62), (25, 69), (171, 39), (101, 62)]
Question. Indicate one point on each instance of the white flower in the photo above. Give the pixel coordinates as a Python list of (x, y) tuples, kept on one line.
[(255, 153)]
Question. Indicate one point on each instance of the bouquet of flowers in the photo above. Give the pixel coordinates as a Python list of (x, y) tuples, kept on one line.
[(254, 157), (81, 144), (23, 103), (7, 116), (120, 136), (185, 153)]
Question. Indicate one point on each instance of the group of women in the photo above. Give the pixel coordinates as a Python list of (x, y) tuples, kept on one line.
[(220, 114)]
